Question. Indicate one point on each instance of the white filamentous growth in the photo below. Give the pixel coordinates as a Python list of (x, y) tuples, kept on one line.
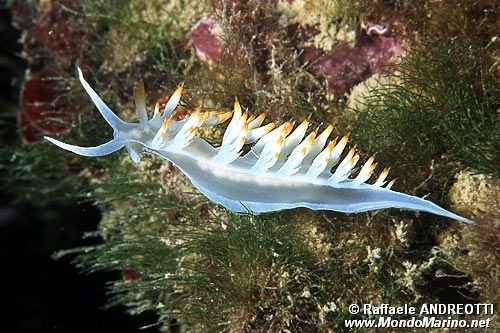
[(284, 169)]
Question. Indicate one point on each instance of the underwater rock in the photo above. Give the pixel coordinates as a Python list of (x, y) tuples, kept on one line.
[(346, 66), (378, 51), (343, 68)]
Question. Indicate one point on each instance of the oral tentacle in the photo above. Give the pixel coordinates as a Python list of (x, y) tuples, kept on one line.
[(101, 150)]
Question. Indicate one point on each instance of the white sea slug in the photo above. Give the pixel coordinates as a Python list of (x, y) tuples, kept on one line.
[(284, 168)]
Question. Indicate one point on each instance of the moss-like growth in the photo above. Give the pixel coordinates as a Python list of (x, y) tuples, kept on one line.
[(35, 174), (249, 272), (443, 102)]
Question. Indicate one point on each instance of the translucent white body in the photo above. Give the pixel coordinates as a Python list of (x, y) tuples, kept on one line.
[(283, 170)]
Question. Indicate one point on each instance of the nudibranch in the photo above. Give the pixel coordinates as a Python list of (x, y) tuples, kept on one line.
[(284, 168)]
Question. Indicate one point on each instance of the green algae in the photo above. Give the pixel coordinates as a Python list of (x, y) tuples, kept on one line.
[(443, 101)]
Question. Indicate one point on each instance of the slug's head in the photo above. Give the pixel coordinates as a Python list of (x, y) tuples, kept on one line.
[(135, 137)]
